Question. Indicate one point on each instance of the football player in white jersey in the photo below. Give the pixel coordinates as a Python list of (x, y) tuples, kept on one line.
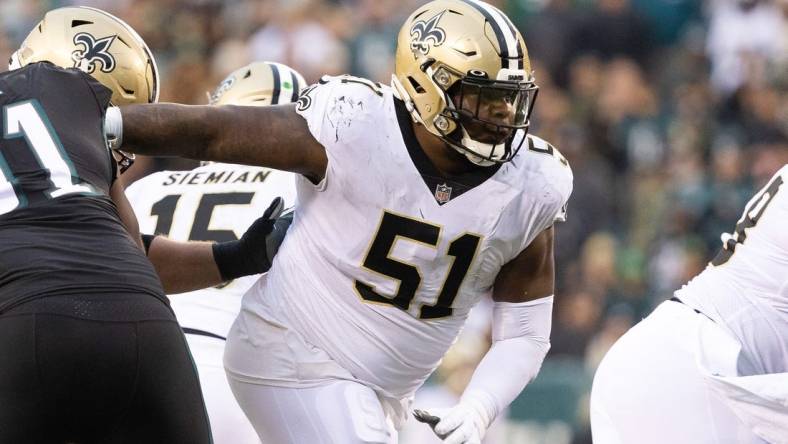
[(414, 202), (217, 202), (709, 366)]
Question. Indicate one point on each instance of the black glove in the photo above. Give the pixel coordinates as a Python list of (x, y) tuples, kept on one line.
[(253, 252)]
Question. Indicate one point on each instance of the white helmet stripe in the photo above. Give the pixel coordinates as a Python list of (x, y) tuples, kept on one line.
[(511, 55), (288, 78), (296, 86), (520, 52)]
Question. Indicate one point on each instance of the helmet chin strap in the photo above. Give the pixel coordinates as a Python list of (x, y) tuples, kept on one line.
[(402, 94)]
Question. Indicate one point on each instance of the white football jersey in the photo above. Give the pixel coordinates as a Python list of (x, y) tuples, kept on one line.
[(745, 287), (215, 202), (385, 258)]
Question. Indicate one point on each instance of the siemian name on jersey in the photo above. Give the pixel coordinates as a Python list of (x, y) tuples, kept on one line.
[(230, 176)]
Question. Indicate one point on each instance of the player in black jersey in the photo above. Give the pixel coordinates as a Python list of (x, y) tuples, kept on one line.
[(90, 351)]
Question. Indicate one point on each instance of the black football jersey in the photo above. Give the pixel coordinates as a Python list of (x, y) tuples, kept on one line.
[(60, 233)]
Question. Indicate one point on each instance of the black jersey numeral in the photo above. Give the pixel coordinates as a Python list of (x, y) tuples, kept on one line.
[(374, 86), (752, 214), (379, 260), (202, 218), (540, 146), (463, 250), (164, 210), (28, 120)]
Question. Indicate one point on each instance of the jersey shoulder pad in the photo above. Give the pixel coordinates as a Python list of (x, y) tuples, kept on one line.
[(544, 159), (543, 173), (43, 78), (337, 108)]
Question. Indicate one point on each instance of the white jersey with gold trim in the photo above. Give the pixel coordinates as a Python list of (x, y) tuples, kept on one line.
[(745, 287), (385, 259), (215, 202)]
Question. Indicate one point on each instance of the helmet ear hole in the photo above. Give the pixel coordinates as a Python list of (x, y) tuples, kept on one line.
[(416, 85)]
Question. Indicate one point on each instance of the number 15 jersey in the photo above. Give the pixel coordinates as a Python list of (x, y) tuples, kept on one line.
[(215, 202), (385, 258)]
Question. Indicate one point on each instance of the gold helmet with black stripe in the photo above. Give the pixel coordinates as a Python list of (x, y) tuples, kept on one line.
[(463, 71), (259, 84), (97, 43)]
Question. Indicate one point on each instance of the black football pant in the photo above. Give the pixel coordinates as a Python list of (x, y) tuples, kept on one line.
[(102, 369)]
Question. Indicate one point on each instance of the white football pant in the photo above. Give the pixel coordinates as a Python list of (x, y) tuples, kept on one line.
[(653, 386), (228, 422), (337, 412)]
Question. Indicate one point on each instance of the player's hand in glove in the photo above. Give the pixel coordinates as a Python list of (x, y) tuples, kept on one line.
[(465, 423), (254, 251)]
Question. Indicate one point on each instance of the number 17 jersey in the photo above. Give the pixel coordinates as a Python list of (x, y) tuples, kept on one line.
[(385, 258)]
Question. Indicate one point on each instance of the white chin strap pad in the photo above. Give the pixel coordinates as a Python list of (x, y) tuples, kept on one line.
[(478, 149)]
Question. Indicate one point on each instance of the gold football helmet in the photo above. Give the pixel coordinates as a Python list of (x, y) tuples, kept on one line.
[(97, 43), (259, 84), (462, 69)]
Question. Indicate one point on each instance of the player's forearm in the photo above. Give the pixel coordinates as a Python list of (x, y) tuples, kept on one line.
[(168, 129), (270, 136), (521, 339), (503, 373), (184, 266), (188, 266)]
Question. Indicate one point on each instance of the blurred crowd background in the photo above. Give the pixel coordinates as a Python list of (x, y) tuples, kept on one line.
[(671, 113)]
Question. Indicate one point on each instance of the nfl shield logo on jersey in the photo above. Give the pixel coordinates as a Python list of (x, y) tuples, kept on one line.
[(442, 193)]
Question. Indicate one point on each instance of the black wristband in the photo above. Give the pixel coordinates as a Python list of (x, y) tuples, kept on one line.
[(233, 261), (147, 240)]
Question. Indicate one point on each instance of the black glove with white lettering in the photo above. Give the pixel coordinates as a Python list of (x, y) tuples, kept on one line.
[(254, 251)]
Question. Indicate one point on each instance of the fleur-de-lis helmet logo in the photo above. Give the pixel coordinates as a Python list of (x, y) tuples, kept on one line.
[(426, 34), (93, 51)]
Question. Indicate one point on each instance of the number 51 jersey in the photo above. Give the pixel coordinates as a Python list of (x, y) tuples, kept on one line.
[(385, 258)]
